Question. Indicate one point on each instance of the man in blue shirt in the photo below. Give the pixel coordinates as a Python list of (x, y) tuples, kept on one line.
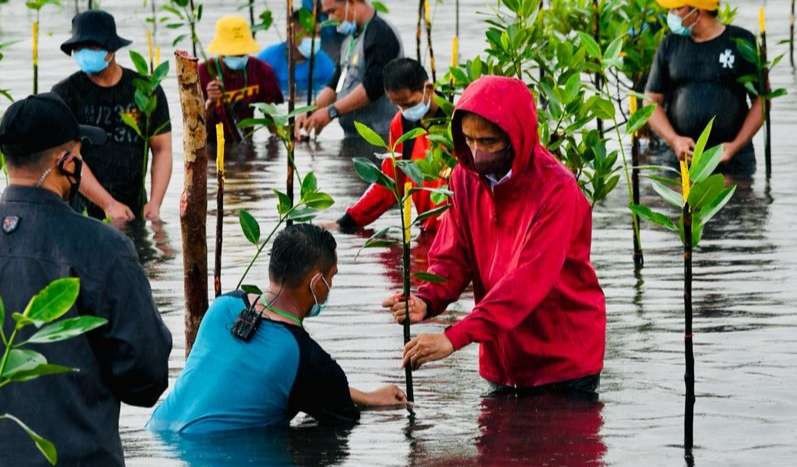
[(277, 57), (253, 365)]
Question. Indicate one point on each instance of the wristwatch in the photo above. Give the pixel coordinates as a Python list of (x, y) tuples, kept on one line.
[(332, 112)]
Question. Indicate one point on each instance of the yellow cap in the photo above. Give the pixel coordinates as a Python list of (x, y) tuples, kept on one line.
[(233, 37), (709, 5)]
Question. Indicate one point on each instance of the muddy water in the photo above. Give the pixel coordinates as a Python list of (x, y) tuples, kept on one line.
[(745, 323)]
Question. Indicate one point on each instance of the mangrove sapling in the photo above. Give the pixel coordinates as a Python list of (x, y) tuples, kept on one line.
[(20, 364), (407, 174), (313, 27), (791, 34), (185, 14), (219, 208), (637, 120), (311, 202), (290, 147), (146, 101), (427, 19), (37, 5), (702, 195)]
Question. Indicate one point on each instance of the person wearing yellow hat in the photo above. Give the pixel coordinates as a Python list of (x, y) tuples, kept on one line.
[(696, 77), (233, 79)]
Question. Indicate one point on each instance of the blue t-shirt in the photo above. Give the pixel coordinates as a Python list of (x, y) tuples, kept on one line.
[(231, 384), (277, 57)]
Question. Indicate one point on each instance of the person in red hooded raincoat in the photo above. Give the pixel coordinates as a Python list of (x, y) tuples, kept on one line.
[(519, 229)]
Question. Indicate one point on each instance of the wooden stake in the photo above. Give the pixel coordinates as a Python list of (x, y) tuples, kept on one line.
[(597, 36), (689, 376), (194, 198), (427, 15), (311, 63), (252, 17), (219, 207), (192, 25), (35, 53), (639, 260), (291, 104), (418, 31), (764, 89), (791, 35), (406, 222)]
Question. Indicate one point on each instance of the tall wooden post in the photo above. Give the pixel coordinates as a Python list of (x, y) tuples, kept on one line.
[(290, 143), (418, 31), (427, 16), (406, 223), (35, 53), (791, 35), (689, 376), (639, 260), (194, 198), (219, 208), (764, 91), (311, 62), (252, 17)]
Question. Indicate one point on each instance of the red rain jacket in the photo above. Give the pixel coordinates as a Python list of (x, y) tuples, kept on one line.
[(539, 313), (377, 199)]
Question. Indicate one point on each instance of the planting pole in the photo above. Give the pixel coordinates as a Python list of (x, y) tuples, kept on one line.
[(192, 25), (35, 53), (764, 91), (418, 31), (194, 198), (290, 144), (91, 5), (219, 207), (427, 14), (791, 35), (154, 9), (311, 63), (689, 376), (597, 37), (639, 259), (406, 222), (252, 17)]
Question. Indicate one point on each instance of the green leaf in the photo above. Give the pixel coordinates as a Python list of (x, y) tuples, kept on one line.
[(370, 135), (703, 167), (66, 329), (639, 118), (130, 121), (318, 201), (45, 369), (380, 7), (370, 173), (255, 122), (2, 316), (700, 146), (160, 71), (713, 206), (302, 214), (249, 226), (300, 111), (140, 63), (43, 445), (20, 360), (410, 170), (430, 213), (309, 185), (284, 202), (251, 289), (653, 216), (52, 302), (669, 195), (601, 107), (592, 47), (612, 53), (380, 243), (306, 20), (430, 277), (412, 134)]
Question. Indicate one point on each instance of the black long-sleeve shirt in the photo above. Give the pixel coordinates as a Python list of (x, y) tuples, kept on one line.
[(126, 360)]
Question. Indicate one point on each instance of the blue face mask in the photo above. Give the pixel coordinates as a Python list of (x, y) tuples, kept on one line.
[(235, 63), (346, 27), (419, 110), (676, 24), (317, 308), (306, 47), (90, 61)]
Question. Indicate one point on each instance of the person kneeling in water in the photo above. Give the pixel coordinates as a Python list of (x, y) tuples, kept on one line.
[(253, 365)]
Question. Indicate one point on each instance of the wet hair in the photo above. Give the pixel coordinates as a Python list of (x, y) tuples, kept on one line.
[(299, 249), (404, 73)]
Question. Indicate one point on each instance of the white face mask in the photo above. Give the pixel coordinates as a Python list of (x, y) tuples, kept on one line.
[(306, 47), (419, 110), (317, 308)]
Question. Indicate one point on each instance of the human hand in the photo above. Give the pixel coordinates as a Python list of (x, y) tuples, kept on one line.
[(299, 131), (118, 213), (728, 152), (682, 146), (388, 396), (316, 122), (397, 305), (214, 92), (328, 224), (426, 348), (152, 212)]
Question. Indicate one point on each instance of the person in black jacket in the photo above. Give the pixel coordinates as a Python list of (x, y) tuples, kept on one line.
[(43, 239)]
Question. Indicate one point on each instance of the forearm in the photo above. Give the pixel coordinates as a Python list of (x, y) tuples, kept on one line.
[(357, 99), (325, 97), (90, 188), (752, 123), (360, 398), (660, 124), (161, 167)]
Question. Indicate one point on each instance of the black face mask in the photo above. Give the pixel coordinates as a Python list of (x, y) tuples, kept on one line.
[(73, 177)]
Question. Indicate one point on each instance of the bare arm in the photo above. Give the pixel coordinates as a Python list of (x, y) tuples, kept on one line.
[(681, 145), (161, 172), (90, 188), (357, 99), (752, 123), (386, 396), (325, 97)]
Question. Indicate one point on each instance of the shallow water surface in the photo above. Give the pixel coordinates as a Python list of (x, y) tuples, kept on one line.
[(744, 291)]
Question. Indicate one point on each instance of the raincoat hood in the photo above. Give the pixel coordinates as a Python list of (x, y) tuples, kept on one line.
[(507, 103)]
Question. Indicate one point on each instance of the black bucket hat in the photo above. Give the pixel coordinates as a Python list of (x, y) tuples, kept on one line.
[(40, 122), (94, 27)]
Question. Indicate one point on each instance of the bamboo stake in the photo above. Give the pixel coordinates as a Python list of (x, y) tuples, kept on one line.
[(427, 14), (194, 198), (291, 103), (35, 53), (91, 5), (791, 35), (639, 259), (597, 36), (764, 91), (252, 17), (406, 222), (418, 31), (219, 207), (311, 63), (192, 25), (154, 9), (689, 376)]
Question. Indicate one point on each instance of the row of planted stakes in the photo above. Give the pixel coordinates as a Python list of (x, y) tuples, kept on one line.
[(586, 60)]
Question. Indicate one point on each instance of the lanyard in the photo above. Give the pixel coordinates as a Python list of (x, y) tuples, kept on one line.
[(353, 44), (292, 318)]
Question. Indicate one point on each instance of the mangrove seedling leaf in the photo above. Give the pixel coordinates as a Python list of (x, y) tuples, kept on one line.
[(46, 369), (302, 214), (309, 185), (254, 122), (714, 206), (284, 202), (66, 329), (20, 360), (251, 289), (639, 118), (412, 134), (319, 201), (2, 316), (430, 213), (249, 226), (139, 62), (300, 111), (161, 71), (700, 145), (53, 301), (669, 195), (380, 242), (370, 173), (129, 120), (380, 7), (43, 445), (410, 170), (370, 135), (704, 191), (653, 216), (592, 47), (429, 277), (705, 166)]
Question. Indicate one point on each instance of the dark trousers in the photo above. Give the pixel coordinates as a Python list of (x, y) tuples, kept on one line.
[(581, 388)]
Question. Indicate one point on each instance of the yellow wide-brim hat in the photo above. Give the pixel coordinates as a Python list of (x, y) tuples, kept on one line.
[(709, 5), (233, 37)]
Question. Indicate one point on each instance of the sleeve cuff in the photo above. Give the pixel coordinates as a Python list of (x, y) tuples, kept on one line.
[(347, 223), (457, 334)]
